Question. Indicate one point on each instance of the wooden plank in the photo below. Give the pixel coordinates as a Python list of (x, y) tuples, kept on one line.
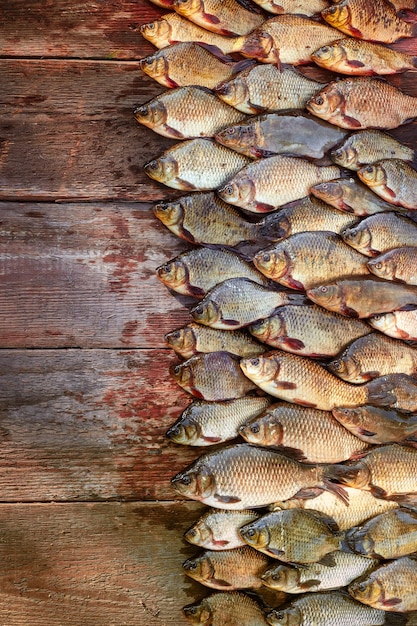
[(83, 275), (107, 564), (89, 425), (89, 29)]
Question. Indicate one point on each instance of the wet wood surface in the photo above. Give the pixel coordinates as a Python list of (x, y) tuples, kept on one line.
[(90, 529)]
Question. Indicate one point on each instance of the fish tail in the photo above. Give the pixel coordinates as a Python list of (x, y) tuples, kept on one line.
[(397, 619), (244, 64), (337, 490), (297, 298)]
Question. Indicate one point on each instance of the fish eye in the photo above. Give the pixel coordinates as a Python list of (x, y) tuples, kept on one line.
[(325, 49), (319, 100), (228, 189), (192, 533), (199, 310), (186, 480), (275, 576), (361, 587), (266, 257), (176, 334), (378, 265), (177, 369), (151, 26), (142, 110), (255, 362), (191, 565), (323, 289), (192, 610), (175, 430), (332, 10), (338, 154), (369, 169), (231, 131), (250, 532), (149, 60), (337, 364), (279, 615), (377, 317), (153, 165), (254, 428)]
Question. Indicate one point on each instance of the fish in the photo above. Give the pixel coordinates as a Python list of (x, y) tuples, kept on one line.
[(372, 356), (294, 134), (362, 506), (182, 113), (195, 338), (239, 302), (367, 146), (376, 425), (388, 472), (307, 259), (195, 164), (309, 331), (390, 587), (299, 7), (302, 381), (229, 570), (287, 39), (188, 63), (234, 478), (391, 535), (225, 17), (306, 434), (392, 180), (398, 324), (218, 529), (356, 57), (265, 89), (195, 272), (363, 297), (166, 4), (264, 185), (347, 194), (232, 608), (363, 102), (374, 21), (381, 232), (399, 264), (226, 226), (331, 607), (395, 390), (294, 536), (207, 423), (319, 576), (172, 28), (199, 377)]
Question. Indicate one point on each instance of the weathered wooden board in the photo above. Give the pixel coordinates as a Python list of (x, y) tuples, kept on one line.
[(109, 564), (83, 275)]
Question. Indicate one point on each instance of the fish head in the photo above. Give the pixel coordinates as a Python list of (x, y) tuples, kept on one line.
[(383, 322), (169, 213), (184, 431), (206, 312), (151, 114), (327, 103), (199, 534), (328, 296), (267, 328), (281, 578), (256, 534), (383, 269), (329, 55), (287, 617), (198, 614), (164, 169), (345, 368), (188, 7), (182, 373), (200, 568), (196, 481), (173, 274), (368, 591), (359, 237), (240, 190), (239, 136), (337, 15), (273, 263), (277, 226), (351, 416), (330, 192), (157, 32), (356, 475), (259, 368), (373, 175), (155, 66), (345, 156), (264, 430), (359, 541), (182, 341), (234, 92), (257, 45)]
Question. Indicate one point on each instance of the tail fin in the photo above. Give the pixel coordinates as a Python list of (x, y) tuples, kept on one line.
[(337, 490)]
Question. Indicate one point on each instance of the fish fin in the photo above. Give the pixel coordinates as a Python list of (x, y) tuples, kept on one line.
[(171, 83), (352, 122), (355, 32), (212, 19), (326, 519), (297, 298), (292, 342), (277, 59), (408, 307), (212, 439), (257, 108), (285, 384), (186, 186), (219, 581), (231, 322), (378, 492), (308, 584), (275, 552), (295, 284), (328, 560), (187, 235), (308, 493), (409, 498), (338, 491), (380, 395), (366, 433), (174, 134), (370, 375), (258, 153), (391, 602), (263, 207), (390, 191), (293, 453), (218, 52), (220, 542), (355, 63), (312, 405), (197, 292), (226, 499), (249, 6), (244, 64), (347, 310)]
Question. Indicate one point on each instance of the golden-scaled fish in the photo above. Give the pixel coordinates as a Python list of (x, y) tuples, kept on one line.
[(231, 608), (239, 302), (362, 58), (306, 434), (390, 587), (362, 506), (240, 568), (367, 146), (381, 232), (345, 568), (195, 338), (398, 391), (287, 39), (398, 324), (375, 424), (294, 536), (393, 180), (195, 272), (205, 423), (387, 472), (173, 28), (372, 356), (199, 376), (388, 536), (399, 264), (188, 63), (309, 331), (266, 184), (264, 88), (307, 259), (328, 608), (245, 476), (182, 113), (300, 7), (218, 529), (374, 21), (300, 380), (363, 102), (196, 164), (363, 297), (347, 194), (226, 17), (294, 134)]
